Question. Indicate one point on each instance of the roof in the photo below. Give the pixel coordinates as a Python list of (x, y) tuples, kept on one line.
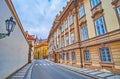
[(42, 44), (29, 37)]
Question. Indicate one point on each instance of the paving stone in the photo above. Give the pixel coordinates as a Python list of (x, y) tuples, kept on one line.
[(88, 71), (19, 73), (105, 75), (96, 72), (114, 77)]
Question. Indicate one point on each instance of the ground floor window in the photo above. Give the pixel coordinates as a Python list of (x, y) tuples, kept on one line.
[(73, 56), (105, 54), (63, 56), (87, 55), (67, 56)]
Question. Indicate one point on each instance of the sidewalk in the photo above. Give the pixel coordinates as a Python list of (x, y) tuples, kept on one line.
[(92, 73), (24, 73)]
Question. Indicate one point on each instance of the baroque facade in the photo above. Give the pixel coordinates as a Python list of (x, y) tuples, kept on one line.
[(41, 50), (86, 33)]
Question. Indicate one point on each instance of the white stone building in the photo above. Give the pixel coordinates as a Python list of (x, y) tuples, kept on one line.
[(14, 48)]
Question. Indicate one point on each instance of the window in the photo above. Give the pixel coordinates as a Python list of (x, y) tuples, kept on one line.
[(94, 3), (62, 41), (84, 33), (60, 56), (62, 28), (81, 11), (58, 44), (67, 56), (59, 31), (105, 54), (72, 38), (67, 40), (66, 24), (73, 56), (63, 56), (86, 55), (100, 26), (118, 11), (71, 19)]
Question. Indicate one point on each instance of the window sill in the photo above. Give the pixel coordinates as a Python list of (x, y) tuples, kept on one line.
[(71, 24), (88, 62), (103, 63), (95, 6), (82, 17), (114, 2)]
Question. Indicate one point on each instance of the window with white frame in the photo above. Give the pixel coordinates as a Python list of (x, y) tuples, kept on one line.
[(72, 37), (63, 42), (62, 27), (67, 40), (118, 11), (73, 56), (67, 56), (84, 33), (100, 26), (94, 3), (105, 54), (71, 19), (81, 11), (66, 24), (87, 55)]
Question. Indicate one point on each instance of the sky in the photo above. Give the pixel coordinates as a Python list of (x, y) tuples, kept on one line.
[(37, 16)]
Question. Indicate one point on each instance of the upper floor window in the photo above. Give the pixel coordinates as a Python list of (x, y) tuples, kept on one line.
[(100, 26), (73, 56), (118, 11), (71, 19), (94, 3), (84, 33), (58, 43), (67, 40), (62, 27), (67, 56), (58, 31), (66, 24), (81, 11), (72, 38), (105, 54), (87, 55), (63, 42)]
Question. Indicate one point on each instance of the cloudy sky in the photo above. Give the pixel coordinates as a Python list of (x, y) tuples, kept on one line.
[(37, 16)]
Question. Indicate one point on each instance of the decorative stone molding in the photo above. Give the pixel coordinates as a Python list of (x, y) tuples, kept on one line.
[(114, 2)]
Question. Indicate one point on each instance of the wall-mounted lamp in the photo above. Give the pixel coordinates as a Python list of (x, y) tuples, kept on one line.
[(10, 24)]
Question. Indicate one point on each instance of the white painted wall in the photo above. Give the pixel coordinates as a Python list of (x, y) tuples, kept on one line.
[(13, 49)]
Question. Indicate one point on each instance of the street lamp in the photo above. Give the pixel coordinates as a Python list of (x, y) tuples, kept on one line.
[(10, 24)]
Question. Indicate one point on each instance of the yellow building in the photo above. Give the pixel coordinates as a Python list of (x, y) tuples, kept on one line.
[(41, 51), (86, 33)]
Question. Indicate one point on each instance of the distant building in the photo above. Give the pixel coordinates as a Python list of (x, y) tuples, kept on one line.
[(31, 41), (39, 40), (14, 49), (86, 33), (41, 50)]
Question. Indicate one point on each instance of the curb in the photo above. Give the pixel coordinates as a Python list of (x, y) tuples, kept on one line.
[(80, 73)]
